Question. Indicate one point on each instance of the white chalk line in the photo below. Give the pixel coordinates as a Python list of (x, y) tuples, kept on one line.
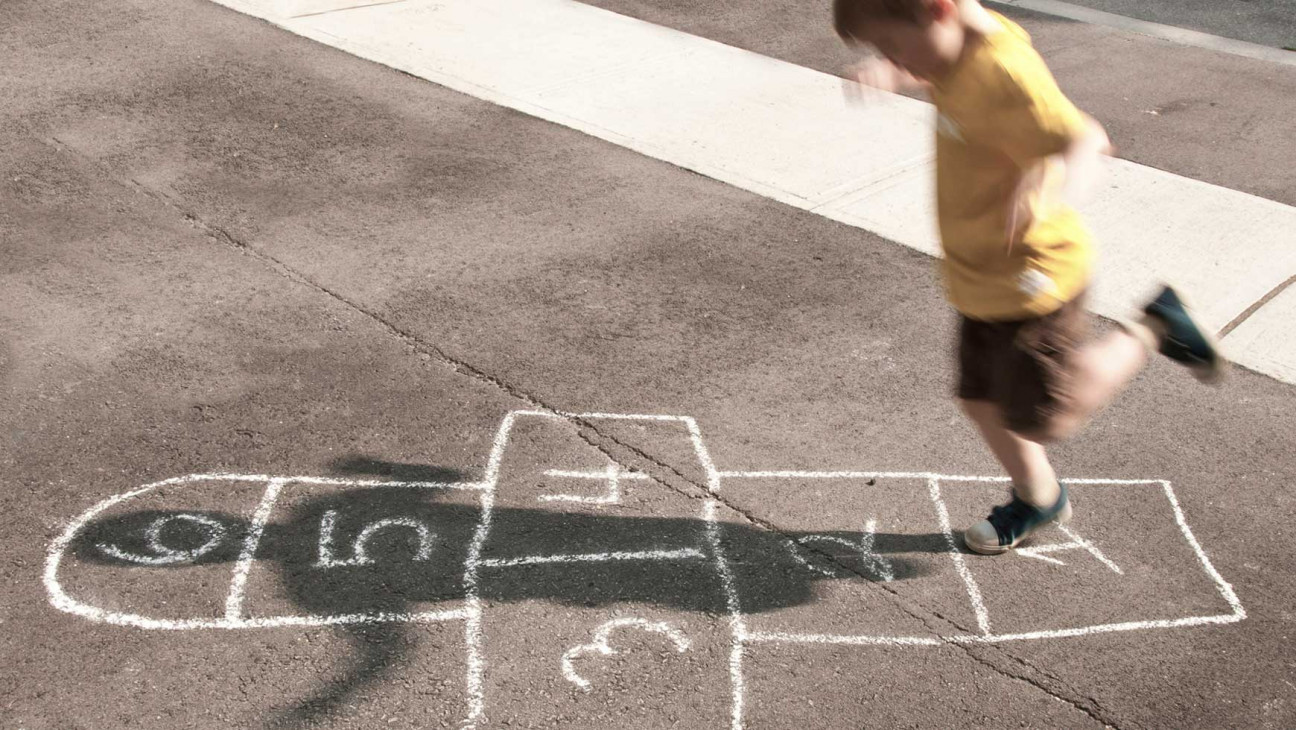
[(600, 644), (924, 475), (1225, 589), (973, 591), (779, 637), (114, 618), (1076, 542), (1038, 553), (54, 555), (704, 456), (234, 601), (589, 416), (371, 483), (303, 479), (613, 468), (609, 557), (474, 634), (737, 624), (624, 416)]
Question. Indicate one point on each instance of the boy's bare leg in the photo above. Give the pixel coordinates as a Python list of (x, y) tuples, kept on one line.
[(1105, 367), (1037, 496), (1027, 465), (1101, 370)]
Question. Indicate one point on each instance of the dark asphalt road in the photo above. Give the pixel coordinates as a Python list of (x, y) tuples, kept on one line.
[(228, 249), (1267, 22)]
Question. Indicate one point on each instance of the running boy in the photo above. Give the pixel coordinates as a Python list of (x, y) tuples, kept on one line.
[(1012, 154)]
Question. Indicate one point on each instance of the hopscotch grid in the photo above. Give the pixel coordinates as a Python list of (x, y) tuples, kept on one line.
[(472, 611)]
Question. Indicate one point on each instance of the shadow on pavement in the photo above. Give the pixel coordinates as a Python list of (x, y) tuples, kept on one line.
[(331, 559)]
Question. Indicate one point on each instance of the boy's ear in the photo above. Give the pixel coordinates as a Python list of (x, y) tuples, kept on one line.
[(940, 9)]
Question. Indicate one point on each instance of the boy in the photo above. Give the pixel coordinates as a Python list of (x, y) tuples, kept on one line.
[(1012, 154)]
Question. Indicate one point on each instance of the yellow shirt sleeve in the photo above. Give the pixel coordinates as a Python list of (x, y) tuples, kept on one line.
[(1033, 119)]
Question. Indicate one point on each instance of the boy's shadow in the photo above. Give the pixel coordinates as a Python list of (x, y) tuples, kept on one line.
[(402, 550)]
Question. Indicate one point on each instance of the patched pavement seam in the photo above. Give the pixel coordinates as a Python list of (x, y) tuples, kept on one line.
[(1087, 705), (1255, 307)]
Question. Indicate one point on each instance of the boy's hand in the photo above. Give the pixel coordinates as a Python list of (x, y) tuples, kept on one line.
[(876, 74)]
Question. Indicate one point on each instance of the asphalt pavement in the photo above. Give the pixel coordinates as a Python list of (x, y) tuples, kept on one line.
[(1270, 22), (402, 331)]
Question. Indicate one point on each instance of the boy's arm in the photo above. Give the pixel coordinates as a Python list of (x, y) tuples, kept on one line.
[(1057, 147), (1083, 162), (880, 74), (1067, 177)]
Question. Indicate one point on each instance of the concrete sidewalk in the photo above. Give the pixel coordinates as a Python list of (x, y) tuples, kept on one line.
[(785, 132)]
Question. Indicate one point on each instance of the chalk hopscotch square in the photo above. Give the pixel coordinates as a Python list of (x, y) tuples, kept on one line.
[(1127, 557), (356, 550), (560, 498), (628, 665), (166, 554), (845, 548)]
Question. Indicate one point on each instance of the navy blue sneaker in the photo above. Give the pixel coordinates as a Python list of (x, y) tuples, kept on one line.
[(1009, 524), (1184, 339)]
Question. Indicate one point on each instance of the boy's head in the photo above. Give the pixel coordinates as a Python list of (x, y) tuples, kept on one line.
[(924, 37)]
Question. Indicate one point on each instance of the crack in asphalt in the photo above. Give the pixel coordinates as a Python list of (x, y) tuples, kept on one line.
[(1060, 690)]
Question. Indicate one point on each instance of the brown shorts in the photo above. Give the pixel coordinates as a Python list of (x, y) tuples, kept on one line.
[(1026, 367)]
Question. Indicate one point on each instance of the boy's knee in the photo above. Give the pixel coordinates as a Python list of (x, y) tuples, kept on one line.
[(1057, 427)]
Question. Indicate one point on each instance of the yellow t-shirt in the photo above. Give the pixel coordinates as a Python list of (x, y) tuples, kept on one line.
[(999, 113)]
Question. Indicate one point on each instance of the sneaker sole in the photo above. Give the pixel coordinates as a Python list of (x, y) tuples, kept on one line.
[(1062, 518)]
